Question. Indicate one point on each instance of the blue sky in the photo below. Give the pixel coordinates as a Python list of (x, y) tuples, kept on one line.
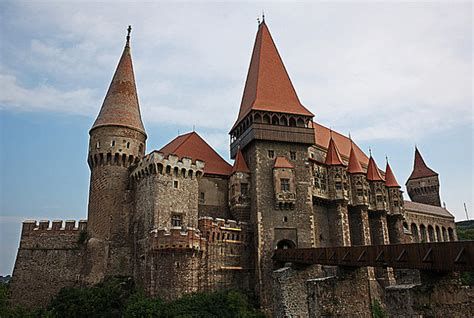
[(393, 74)]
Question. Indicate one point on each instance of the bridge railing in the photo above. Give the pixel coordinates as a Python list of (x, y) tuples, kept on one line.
[(440, 256)]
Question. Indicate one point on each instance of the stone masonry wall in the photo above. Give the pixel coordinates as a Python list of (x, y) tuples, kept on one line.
[(270, 222), (215, 192), (50, 257)]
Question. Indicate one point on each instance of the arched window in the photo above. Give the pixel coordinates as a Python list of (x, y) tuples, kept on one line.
[(292, 122), (266, 119), (275, 120), (423, 235), (431, 234), (285, 244), (300, 122), (414, 232), (257, 118), (283, 121), (438, 234), (445, 234)]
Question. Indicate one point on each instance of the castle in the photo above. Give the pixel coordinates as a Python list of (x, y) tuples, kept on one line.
[(181, 219)]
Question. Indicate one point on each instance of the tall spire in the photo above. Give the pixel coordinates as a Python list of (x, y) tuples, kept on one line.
[(333, 158), (120, 106), (240, 165), (390, 180), (354, 162), (373, 173), (268, 86), (420, 169)]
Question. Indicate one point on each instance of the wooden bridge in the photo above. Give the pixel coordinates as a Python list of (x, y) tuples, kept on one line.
[(439, 256)]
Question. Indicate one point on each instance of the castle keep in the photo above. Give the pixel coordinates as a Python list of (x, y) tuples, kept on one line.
[(181, 219)]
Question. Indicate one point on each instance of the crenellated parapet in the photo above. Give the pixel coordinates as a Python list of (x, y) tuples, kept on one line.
[(157, 163), (32, 227), (177, 238), (220, 230), (53, 235)]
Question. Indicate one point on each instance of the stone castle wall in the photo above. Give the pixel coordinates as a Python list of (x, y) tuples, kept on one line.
[(50, 257)]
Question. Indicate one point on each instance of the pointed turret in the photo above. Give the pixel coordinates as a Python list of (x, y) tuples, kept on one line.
[(420, 169), (390, 180), (373, 172), (423, 183), (240, 165), (120, 106), (333, 158), (268, 86), (354, 162), (270, 107)]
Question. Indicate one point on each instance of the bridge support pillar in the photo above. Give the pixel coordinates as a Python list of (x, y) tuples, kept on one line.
[(379, 236)]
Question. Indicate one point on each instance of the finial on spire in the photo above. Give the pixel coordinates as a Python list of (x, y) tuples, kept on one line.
[(350, 138), (129, 30), (370, 151), (386, 158), (263, 16)]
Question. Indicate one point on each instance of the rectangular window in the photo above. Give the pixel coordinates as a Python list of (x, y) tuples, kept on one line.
[(202, 197), (176, 220), (359, 192), (175, 184), (293, 155), (285, 185), (244, 189), (338, 186), (271, 154)]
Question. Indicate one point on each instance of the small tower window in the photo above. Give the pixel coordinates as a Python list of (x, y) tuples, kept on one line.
[(244, 189), (285, 219), (338, 185), (97, 145), (285, 185), (175, 184), (176, 220), (271, 154), (112, 143), (202, 197), (128, 145), (293, 155)]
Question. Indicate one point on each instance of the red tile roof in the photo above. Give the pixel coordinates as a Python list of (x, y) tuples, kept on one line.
[(420, 169), (390, 180), (332, 156), (427, 208), (239, 164), (268, 86), (282, 162), (373, 172), (120, 106), (322, 135), (354, 162), (191, 145)]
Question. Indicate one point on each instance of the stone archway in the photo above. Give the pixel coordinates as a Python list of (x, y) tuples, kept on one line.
[(285, 244)]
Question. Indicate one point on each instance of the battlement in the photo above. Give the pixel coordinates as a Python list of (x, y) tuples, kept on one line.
[(177, 238), (31, 227), (220, 230), (157, 163)]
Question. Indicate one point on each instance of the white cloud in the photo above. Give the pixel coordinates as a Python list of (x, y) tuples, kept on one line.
[(381, 70)]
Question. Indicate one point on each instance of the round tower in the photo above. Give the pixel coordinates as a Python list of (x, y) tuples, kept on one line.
[(117, 141)]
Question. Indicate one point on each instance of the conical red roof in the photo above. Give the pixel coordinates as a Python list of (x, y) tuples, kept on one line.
[(333, 157), (282, 162), (191, 145), (420, 169), (268, 86), (354, 162), (390, 180), (373, 172), (239, 164), (120, 107)]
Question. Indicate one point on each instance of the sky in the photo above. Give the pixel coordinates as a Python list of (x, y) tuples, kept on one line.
[(393, 74)]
